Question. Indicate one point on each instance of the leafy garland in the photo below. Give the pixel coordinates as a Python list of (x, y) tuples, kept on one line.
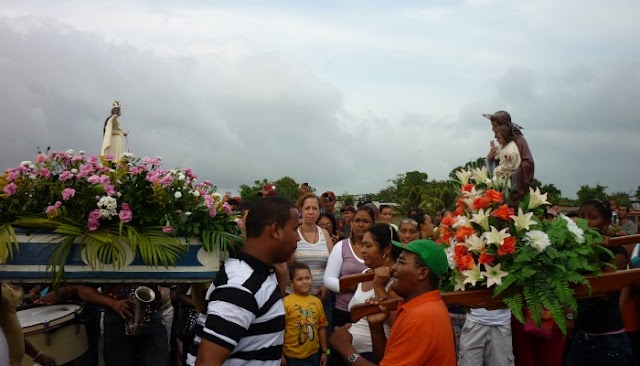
[(530, 263)]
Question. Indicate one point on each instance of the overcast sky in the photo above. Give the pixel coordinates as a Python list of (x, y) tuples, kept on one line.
[(342, 94)]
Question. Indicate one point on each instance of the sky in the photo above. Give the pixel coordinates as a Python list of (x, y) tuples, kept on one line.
[(344, 95)]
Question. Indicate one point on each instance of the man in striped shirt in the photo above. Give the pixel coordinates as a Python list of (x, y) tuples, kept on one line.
[(243, 321)]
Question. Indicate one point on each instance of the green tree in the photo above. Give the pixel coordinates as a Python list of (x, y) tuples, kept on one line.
[(554, 195), (285, 186), (585, 192), (346, 199), (622, 198)]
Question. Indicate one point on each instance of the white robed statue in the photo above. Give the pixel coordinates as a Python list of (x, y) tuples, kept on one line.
[(115, 138)]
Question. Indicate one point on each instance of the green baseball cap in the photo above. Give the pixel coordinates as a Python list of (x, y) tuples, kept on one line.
[(432, 254)]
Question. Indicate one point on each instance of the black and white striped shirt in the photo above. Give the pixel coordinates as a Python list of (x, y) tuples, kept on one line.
[(244, 313)]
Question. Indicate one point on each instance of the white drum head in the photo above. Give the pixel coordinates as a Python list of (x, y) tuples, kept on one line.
[(45, 314)]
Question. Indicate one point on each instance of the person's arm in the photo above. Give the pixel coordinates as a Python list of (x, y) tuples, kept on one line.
[(37, 356), (91, 295), (322, 333), (340, 341), (333, 268), (54, 297), (211, 354)]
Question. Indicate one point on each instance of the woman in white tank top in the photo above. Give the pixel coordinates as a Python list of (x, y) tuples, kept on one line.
[(315, 243)]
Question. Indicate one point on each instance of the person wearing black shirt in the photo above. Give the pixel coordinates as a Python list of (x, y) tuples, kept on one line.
[(599, 337)]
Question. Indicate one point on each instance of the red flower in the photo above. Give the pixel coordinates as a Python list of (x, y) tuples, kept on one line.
[(447, 221), (508, 246), (458, 211), (481, 202), (486, 258), (465, 262), (494, 195), (459, 250), (503, 212), (463, 232), (468, 187), (445, 236)]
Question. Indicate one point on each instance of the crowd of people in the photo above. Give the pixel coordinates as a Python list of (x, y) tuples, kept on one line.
[(279, 300)]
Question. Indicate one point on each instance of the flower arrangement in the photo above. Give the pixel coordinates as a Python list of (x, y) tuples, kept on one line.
[(108, 204), (528, 262)]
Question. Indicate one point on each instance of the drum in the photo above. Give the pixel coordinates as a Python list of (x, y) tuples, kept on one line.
[(55, 330)]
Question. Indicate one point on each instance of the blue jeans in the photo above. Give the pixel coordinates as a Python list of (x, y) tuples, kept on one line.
[(313, 360), (148, 349), (598, 350)]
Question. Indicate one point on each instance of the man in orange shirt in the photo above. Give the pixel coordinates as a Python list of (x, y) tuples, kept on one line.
[(421, 333)]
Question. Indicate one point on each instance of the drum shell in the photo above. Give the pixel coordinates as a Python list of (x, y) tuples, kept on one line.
[(59, 334)]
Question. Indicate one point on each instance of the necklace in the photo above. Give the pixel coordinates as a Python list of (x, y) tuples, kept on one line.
[(315, 233)]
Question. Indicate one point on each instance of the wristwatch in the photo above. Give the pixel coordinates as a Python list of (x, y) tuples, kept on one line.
[(353, 357)]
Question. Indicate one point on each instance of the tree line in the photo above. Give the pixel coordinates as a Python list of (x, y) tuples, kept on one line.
[(415, 189)]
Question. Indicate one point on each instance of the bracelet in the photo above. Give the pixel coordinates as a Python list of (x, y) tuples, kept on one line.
[(36, 356), (327, 352)]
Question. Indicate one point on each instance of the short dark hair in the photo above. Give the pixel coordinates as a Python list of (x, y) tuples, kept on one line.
[(265, 211), (332, 218), (383, 206), (383, 235), (296, 266)]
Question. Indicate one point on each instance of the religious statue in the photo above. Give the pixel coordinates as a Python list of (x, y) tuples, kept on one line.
[(114, 137)]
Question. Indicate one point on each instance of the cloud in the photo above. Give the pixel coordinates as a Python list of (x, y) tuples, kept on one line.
[(342, 102)]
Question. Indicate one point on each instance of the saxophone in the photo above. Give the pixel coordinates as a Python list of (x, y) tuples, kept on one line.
[(141, 297)]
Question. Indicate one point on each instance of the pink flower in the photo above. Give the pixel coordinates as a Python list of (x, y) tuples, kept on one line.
[(58, 204), (125, 213), (12, 175), (167, 229), (67, 193), (10, 189), (41, 158), (239, 223), (93, 160), (208, 183), (109, 189), (95, 214), (51, 210), (94, 179), (66, 175), (212, 211), (166, 180), (108, 157), (208, 201), (45, 173), (227, 208), (93, 225)]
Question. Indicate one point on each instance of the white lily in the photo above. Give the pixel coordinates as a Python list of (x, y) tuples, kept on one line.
[(459, 278), (523, 220), (474, 243), (496, 237), (481, 218), (539, 240), (463, 176), (460, 221), (472, 276), (537, 198), (481, 175), (494, 275)]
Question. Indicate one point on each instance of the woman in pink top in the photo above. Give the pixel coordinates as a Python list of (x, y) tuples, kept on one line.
[(346, 259)]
